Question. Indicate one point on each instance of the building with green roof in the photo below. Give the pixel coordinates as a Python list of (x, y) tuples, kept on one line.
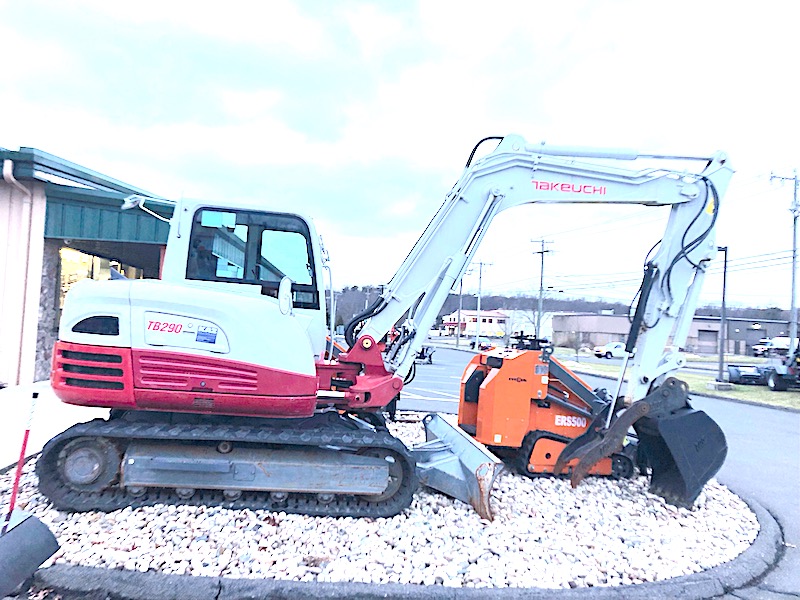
[(59, 223)]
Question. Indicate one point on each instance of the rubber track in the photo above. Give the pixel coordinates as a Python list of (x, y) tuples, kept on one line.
[(66, 498), (521, 458)]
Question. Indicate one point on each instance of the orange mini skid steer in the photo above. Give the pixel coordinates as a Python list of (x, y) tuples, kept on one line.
[(526, 406)]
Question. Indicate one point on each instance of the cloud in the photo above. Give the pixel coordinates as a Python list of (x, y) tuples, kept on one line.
[(28, 58), (273, 24), (364, 113), (243, 105), (366, 256), (377, 32)]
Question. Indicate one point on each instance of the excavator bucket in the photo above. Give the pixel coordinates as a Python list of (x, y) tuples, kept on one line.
[(682, 447), (683, 450), (453, 463)]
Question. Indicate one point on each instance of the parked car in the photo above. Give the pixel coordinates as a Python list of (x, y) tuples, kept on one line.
[(779, 346), (483, 344), (762, 347), (610, 350), (785, 375)]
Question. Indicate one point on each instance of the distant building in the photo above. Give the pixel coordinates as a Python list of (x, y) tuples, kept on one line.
[(524, 322), (489, 323), (592, 329)]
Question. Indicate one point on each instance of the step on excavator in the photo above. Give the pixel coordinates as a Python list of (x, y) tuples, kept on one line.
[(222, 392)]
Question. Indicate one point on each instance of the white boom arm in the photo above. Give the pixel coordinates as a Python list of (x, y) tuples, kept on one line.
[(519, 173)]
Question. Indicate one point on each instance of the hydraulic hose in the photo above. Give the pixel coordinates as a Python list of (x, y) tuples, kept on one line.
[(350, 328)]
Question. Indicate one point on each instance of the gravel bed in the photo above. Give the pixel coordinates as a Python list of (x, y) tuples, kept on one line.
[(545, 534)]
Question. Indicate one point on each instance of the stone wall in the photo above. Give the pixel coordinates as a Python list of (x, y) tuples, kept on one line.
[(49, 311)]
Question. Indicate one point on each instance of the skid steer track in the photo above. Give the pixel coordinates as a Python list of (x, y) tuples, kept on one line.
[(113, 437)]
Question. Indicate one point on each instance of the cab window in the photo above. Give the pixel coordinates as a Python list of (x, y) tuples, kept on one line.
[(254, 248)]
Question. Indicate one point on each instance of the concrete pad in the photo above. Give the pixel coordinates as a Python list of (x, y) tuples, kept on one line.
[(50, 418)]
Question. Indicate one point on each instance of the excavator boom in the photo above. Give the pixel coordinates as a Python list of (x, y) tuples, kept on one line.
[(518, 173)]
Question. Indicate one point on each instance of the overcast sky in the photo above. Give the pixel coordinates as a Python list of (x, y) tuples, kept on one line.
[(362, 115)]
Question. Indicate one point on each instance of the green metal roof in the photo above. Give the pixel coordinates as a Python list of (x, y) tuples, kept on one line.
[(85, 205)]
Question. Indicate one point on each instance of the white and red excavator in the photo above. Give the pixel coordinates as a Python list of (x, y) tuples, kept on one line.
[(221, 390)]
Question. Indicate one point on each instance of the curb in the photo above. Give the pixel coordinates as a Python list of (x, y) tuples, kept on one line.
[(748, 567)]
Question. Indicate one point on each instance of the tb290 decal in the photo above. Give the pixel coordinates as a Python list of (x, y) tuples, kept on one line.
[(161, 329), (165, 326)]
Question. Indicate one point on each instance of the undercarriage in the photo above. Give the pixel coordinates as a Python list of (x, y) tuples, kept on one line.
[(326, 465)]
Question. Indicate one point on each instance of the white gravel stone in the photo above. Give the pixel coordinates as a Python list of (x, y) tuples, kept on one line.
[(545, 534)]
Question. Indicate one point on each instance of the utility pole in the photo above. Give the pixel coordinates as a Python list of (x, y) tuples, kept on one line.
[(458, 320), (541, 289), (478, 320), (795, 211), (722, 325)]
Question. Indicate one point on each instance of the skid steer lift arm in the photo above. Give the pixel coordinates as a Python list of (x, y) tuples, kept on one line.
[(517, 173)]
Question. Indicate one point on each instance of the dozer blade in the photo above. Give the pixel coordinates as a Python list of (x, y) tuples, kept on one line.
[(683, 447), (452, 462)]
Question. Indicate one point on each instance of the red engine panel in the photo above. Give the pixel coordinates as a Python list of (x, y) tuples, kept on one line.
[(169, 381)]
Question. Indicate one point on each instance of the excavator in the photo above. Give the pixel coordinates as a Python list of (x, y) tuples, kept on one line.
[(222, 390)]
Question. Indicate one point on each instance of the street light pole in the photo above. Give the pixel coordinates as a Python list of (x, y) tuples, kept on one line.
[(722, 323), (458, 323)]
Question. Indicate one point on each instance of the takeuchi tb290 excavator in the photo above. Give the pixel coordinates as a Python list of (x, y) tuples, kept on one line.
[(221, 391)]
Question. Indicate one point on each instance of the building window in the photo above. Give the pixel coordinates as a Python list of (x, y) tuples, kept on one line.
[(75, 266)]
